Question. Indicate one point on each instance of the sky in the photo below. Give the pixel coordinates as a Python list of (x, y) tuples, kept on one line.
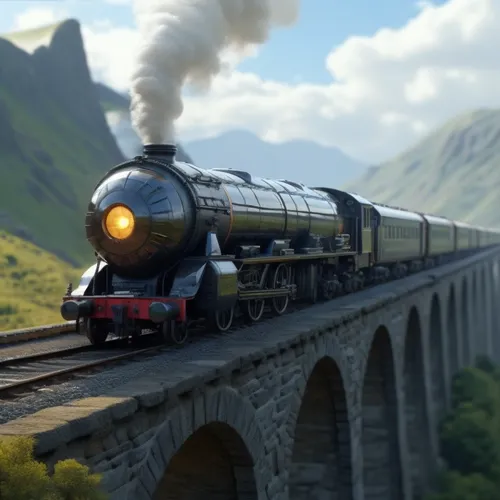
[(369, 77)]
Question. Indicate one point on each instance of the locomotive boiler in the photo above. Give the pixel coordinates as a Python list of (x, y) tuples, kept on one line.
[(148, 212), (176, 244)]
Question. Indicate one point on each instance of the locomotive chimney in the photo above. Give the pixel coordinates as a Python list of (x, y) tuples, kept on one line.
[(163, 151)]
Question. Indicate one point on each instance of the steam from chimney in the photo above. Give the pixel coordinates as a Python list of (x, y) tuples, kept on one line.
[(182, 41)]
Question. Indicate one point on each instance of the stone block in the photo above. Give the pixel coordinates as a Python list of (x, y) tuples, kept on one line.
[(116, 478), (120, 407), (49, 433), (145, 393)]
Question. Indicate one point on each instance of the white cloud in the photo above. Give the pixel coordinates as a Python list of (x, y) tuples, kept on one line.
[(38, 16), (387, 89), (111, 52)]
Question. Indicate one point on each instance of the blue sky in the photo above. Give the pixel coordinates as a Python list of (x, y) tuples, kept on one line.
[(300, 50), (406, 67)]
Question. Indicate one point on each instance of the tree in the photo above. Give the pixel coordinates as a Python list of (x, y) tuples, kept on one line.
[(23, 478), (476, 387), (469, 443), (454, 486)]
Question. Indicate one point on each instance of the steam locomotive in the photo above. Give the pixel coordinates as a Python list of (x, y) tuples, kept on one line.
[(176, 245)]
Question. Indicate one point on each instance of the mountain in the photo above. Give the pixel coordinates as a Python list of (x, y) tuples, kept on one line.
[(116, 107), (54, 139), (453, 172), (301, 161), (33, 282)]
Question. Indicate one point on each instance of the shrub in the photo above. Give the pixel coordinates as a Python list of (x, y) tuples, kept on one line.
[(468, 441), (476, 387), (24, 478), (457, 487)]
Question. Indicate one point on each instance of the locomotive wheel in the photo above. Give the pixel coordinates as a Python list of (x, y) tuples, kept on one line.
[(174, 333), (280, 279), (223, 320), (254, 309), (96, 331)]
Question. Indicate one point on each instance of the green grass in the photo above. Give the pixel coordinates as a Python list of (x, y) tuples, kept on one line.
[(453, 172), (47, 183), (54, 210), (33, 282)]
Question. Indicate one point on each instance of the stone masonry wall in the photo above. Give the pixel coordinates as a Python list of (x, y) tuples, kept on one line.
[(339, 401)]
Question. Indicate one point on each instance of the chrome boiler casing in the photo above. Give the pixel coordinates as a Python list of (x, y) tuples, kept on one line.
[(176, 204)]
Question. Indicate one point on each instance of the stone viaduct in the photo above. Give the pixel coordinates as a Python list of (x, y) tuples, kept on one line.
[(339, 402)]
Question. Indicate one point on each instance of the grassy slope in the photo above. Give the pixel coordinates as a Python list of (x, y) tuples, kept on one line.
[(55, 199), (453, 172), (33, 282), (47, 185)]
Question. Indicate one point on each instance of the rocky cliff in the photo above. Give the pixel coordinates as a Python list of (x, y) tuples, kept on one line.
[(54, 140)]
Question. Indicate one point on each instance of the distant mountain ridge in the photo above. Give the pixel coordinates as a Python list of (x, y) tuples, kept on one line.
[(297, 160), (453, 172)]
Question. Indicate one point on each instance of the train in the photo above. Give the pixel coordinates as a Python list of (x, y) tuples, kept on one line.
[(177, 245)]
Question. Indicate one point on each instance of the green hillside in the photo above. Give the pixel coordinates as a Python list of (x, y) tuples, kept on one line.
[(54, 139), (454, 172), (33, 282)]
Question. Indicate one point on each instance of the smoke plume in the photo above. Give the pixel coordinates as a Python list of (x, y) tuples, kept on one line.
[(182, 42)]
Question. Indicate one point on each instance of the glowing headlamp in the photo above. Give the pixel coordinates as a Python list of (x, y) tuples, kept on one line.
[(119, 222)]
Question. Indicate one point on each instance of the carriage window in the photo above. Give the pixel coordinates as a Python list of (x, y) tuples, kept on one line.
[(366, 218)]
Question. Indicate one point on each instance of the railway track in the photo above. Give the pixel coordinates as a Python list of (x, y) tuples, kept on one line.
[(21, 376)]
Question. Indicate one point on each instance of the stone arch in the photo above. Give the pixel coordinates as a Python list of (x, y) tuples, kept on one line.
[(484, 313), (495, 331), (417, 422), (475, 324), (477, 333), (321, 454), (466, 346), (207, 448), (381, 453), (436, 352), (453, 340), (213, 463)]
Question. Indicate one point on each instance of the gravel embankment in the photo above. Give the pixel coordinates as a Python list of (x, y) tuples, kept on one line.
[(204, 348), (40, 346)]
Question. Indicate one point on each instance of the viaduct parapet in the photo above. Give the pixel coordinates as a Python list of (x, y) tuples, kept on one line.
[(340, 401)]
